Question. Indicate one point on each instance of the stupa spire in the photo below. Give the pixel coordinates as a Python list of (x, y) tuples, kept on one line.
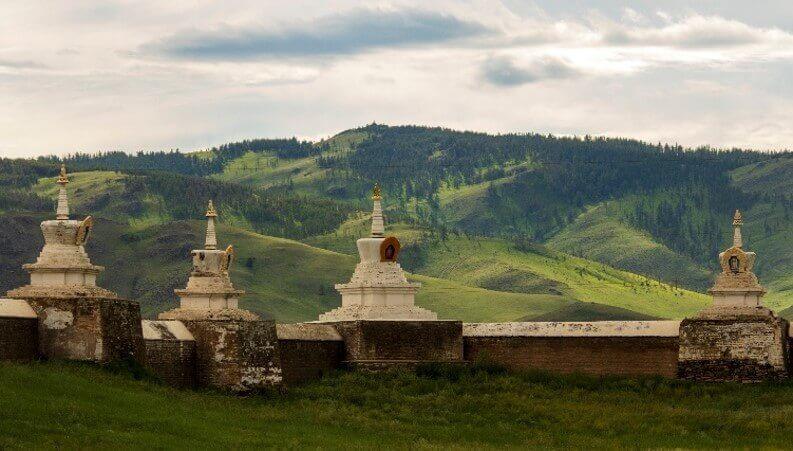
[(62, 213), (378, 225), (737, 222), (211, 242)]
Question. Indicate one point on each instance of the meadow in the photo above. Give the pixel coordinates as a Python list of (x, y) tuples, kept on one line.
[(68, 405)]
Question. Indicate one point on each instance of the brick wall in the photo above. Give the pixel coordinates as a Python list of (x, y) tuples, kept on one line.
[(633, 355), (173, 361), (406, 341), (306, 360), (18, 338)]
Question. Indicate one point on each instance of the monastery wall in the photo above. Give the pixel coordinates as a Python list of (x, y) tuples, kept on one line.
[(170, 352), (209, 341), (625, 348), (309, 351), (18, 330)]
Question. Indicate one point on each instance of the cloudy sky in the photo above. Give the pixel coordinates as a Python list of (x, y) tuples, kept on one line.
[(149, 75)]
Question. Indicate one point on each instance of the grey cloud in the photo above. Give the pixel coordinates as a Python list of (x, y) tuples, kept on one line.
[(21, 64), (355, 32), (502, 71)]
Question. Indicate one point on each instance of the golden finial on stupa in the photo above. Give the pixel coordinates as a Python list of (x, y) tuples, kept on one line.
[(737, 220), (376, 192), (211, 213), (63, 178)]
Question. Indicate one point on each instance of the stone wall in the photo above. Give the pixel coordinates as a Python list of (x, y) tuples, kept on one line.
[(748, 348), (308, 351), (597, 348), (388, 343), (18, 338), (170, 352), (19, 326), (236, 355), (86, 328)]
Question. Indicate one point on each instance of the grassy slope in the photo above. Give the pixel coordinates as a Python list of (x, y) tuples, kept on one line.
[(69, 406), (265, 170), (590, 311), (598, 234), (466, 206), (773, 176), (544, 282), (284, 279), (497, 265)]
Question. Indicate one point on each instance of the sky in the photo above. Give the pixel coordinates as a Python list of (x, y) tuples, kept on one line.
[(93, 76)]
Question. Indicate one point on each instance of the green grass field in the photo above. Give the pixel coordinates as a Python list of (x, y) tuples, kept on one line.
[(71, 406)]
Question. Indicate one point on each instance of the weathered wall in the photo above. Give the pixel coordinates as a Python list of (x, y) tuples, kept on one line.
[(308, 351), (18, 338), (93, 329), (173, 361), (170, 352), (401, 341), (605, 348), (236, 355), (18, 330), (744, 348)]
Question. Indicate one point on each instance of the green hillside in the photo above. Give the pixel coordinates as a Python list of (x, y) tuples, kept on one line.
[(290, 281), (590, 311), (659, 211), (599, 234), (767, 177), (283, 279), (69, 406), (498, 265), (568, 194), (528, 275)]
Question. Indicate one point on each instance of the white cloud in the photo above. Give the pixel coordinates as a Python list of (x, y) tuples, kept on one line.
[(74, 78), (631, 15), (698, 32)]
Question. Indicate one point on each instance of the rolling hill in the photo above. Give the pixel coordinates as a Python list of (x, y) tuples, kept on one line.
[(291, 281), (616, 215)]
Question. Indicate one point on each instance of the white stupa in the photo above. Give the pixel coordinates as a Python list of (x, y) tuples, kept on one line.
[(737, 290), (63, 267), (378, 289), (209, 293)]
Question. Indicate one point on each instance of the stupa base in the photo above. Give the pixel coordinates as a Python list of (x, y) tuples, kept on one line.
[(737, 345), (378, 312), (96, 329), (233, 352)]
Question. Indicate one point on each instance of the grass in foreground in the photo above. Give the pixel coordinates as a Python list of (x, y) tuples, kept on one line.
[(76, 406)]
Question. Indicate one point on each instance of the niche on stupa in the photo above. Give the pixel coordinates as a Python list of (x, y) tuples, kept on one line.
[(389, 249)]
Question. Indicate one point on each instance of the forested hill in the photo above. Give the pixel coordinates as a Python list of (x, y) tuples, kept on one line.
[(503, 185), (656, 209)]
